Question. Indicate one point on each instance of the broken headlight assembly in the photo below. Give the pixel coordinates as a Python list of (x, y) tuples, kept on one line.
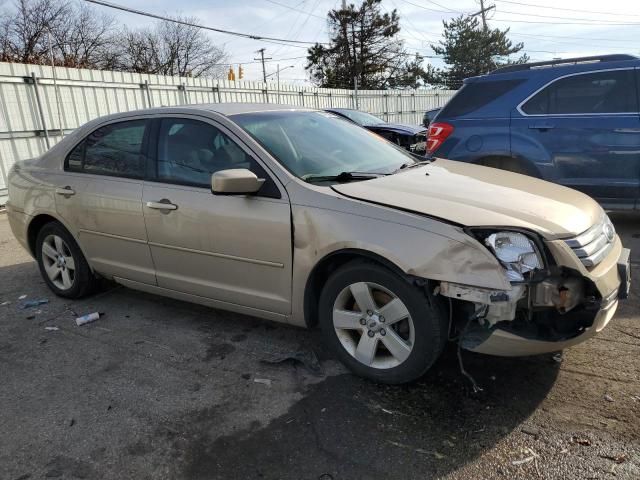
[(517, 252)]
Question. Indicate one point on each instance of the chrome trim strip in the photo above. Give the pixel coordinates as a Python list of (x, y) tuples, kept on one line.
[(219, 255)]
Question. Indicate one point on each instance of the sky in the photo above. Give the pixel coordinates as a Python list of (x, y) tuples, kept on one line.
[(548, 28)]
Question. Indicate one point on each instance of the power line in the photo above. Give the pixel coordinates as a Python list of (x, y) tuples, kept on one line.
[(569, 9), (296, 9), (189, 24), (607, 22), (568, 23)]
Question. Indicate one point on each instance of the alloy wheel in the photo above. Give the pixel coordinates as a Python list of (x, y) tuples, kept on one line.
[(373, 325), (58, 262)]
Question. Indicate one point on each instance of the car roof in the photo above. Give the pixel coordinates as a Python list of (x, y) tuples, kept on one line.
[(237, 108)]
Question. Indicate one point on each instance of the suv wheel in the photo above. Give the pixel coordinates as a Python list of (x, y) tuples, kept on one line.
[(380, 326), (62, 263)]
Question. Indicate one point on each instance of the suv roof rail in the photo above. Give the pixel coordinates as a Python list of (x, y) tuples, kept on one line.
[(564, 61)]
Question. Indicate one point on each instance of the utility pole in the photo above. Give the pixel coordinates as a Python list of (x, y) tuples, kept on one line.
[(262, 59), (483, 11), (355, 93)]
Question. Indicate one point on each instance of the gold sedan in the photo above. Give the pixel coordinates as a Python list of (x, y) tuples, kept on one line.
[(298, 216)]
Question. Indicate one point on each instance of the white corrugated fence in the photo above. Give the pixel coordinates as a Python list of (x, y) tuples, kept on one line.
[(31, 122)]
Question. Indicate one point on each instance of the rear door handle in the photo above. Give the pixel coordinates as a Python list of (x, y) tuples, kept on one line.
[(66, 191), (543, 127), (163, 204)]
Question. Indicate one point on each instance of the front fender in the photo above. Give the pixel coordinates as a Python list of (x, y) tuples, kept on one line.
[(416, 245)]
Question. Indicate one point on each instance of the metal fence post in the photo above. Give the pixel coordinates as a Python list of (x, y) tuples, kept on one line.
[(216, 89), (147, 97), (386, 107), (34, 81), (330, 100), (265, 92), (185, 94), (302, 97)]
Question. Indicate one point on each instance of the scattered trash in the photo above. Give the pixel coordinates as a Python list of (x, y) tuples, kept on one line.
[(5, 303), (523, 461), (581, 441), (72, 422), (90, 317), (34, 303), (557, 357), (608, 398), (22, 297), (323, 410), (307, 358), (264, 381), (30, 317), (449, 443), (52, 329), (534, 432), (530, 458), (616, 458), (438, 455)]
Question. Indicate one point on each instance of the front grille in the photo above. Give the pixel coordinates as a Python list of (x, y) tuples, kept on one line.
[(594, 244)]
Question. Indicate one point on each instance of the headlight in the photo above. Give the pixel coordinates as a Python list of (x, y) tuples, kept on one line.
[(517, 253)]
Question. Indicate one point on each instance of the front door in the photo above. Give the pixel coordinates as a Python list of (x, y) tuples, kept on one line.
[(235, 249), (99, 196), (588, 127)]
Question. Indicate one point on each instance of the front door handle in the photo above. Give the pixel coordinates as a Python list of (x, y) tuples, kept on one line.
[(66, 191), (163, 204), (543, 127)]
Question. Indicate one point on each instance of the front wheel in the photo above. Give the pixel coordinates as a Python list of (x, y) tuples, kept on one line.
[(381, 326)]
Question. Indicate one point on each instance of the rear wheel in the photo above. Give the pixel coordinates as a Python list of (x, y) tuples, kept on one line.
[(62, 263), (380, 326)]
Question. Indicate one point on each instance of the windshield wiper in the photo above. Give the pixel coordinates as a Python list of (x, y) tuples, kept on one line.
[(412, 164), (342, 177)]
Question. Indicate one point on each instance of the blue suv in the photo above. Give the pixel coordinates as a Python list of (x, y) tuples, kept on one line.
[(575, 122)]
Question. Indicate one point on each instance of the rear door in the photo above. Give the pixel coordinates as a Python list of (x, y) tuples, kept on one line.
[(99, 196), (587, 127)]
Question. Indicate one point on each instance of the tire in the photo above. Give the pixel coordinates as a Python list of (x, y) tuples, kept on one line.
[(69, 276), (403, 350), (510, 165)]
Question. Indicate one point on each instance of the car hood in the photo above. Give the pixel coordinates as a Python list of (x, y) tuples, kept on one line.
[(473, 195), (398, 128)]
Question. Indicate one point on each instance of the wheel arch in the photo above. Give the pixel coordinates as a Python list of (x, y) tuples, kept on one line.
[(36, 224), (327, 265)]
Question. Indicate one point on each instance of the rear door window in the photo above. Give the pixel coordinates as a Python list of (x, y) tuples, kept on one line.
[(473, 96), (115, 149), (612, 91)]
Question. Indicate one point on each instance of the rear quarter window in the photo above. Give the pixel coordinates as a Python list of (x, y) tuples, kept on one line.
[(473, 96)]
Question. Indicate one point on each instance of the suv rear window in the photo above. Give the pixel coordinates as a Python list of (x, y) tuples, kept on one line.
[(473, 96), (613, 91)]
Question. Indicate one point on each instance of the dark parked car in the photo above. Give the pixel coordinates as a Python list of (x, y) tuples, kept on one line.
[(575, 122), (411, 137), (429, 115)]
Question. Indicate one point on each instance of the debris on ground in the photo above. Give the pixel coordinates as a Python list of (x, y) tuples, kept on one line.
[(89, 317), (22, 297), (264, 381), (306, 357), (531, 456), (608, 398), (7, 302), (616, 458), (35, 303), (557, 357), (534, 432), (52, 329), (585, 442)]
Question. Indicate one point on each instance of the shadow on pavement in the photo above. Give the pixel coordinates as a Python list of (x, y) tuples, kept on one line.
[(349, 428)]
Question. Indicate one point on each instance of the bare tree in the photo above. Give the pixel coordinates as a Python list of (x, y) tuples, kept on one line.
[(24, 32), (172, 49), (84, 39)]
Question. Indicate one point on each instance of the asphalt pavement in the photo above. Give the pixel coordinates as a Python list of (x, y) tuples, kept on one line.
[(158, 388)]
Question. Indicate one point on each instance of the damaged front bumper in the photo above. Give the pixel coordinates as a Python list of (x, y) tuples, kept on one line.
[(570, 305)]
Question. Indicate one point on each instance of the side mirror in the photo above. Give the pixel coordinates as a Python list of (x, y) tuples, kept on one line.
[(235, 181)]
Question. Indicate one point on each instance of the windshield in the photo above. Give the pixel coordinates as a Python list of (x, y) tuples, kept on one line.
[(318, 143), (361, 118)]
